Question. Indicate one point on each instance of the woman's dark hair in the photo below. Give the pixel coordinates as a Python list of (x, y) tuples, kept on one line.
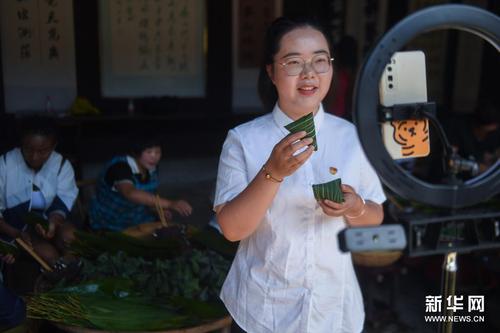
[(37, 125), (144, 142), (272, 43)]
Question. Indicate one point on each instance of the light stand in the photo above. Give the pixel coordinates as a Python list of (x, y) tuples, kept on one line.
[(423, 233), (448, 286)]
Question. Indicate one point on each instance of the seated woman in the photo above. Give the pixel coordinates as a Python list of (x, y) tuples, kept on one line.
[(35, 179), (126, 190)]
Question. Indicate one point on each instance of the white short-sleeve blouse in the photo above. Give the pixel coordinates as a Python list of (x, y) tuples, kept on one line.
[(289, 275)]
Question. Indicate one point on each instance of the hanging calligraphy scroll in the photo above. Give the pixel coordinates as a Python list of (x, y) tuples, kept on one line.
[(152, 48), (38, 55)]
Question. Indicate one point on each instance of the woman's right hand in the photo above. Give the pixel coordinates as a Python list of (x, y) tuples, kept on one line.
[(283, 162)]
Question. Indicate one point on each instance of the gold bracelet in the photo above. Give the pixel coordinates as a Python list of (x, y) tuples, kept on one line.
[(268, 175), (362, 211)]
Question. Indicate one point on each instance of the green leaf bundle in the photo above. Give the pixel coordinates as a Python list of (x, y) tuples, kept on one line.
[(32, 219), (106, 312), (331, 191), (91, 245), (8, 248), (305, 123)]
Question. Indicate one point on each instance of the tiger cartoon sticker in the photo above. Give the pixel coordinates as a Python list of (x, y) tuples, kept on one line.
[(404, 81), (412, 136)]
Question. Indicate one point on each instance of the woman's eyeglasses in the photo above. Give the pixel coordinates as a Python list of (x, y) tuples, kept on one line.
[(320, 63)]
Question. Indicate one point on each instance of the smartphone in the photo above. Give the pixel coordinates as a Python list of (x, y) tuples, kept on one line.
[(404, 81)]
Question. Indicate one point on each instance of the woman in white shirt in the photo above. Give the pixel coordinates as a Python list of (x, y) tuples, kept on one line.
[(288, 274), (36, 179)]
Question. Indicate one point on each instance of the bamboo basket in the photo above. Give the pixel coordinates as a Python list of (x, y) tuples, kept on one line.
[(376, 258)]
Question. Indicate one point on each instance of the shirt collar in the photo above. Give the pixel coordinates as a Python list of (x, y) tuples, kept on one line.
[(281, 119), (21, 162), (133, 165)]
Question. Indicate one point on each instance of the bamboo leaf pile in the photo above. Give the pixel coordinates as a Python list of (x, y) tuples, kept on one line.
[(196, 274), (95, 305), (129, 284), (91, 245), (330, 190), (305, 123)]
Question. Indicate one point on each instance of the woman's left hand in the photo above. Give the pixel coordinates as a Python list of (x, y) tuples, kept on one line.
[(352, 204)]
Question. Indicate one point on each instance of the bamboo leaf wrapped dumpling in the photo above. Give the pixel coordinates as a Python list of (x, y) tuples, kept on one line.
[(331, 191), (305, 123)]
